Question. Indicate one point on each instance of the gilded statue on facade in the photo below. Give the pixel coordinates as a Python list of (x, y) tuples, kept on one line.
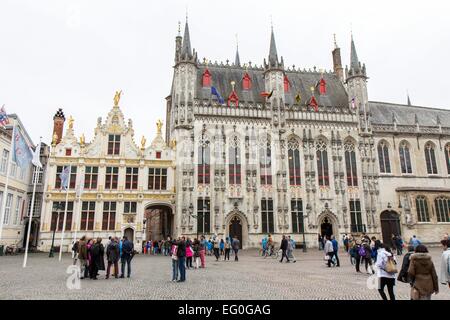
[(117, 98), (159, 125), (82, 140), (71, 121), (55, 139), (143, 142)]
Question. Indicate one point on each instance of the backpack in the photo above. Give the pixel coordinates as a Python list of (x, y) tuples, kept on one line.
[(362, 251)]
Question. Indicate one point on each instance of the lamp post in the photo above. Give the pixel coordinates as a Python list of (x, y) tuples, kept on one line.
[(58, 207)]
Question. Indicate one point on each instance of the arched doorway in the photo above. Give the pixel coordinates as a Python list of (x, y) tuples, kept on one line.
[(129, 233), (326, 227), (235, 229), (158, 222), (390, 225)]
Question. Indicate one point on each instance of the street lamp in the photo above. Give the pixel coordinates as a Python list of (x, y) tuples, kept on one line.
[(58, 208)]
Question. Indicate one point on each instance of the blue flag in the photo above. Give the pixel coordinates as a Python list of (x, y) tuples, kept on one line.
[(21, 152), (217, 94), (65, 177)]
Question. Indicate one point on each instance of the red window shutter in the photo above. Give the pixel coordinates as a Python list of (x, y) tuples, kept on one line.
[(323, 86), (286, 84), (206, 80), (246, 82), (158, 154), (68, 152)]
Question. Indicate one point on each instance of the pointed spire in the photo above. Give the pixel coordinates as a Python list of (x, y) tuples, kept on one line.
[(186, 50), (273, 56), (237, 61), (408, 99), (354, 62)]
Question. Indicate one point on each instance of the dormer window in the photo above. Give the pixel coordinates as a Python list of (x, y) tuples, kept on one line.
[(206, 79), (68, 152), (322, 86), (158, 154), (286, 84), (246, 82), (114, 144), (233, 98)]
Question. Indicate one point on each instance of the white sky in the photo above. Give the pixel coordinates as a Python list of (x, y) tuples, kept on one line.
[(75, 54)]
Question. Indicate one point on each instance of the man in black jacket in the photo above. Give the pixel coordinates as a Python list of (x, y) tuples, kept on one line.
[(127, 252), (284, 247), (112, 255), (181, 254)]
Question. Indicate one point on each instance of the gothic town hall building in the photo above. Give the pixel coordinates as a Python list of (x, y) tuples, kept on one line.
[(252, 150)]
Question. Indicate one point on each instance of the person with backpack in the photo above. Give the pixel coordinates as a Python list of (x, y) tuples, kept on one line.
[(113, 256), (403, 274), (423, 274), (127, 255), (335, 244), (366, 254), (399, 245), (386, 271)]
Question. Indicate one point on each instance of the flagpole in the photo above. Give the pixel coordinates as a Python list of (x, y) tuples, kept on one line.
[(30, 217), (65, 213), (5, 192), (78, 215)]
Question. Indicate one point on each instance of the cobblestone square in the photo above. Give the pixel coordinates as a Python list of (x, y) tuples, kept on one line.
[(252, 278)]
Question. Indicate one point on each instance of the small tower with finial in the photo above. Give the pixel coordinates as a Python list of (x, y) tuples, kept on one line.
[(58, 126), (337, 62)]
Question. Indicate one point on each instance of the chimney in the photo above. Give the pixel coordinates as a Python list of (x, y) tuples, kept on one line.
[(58, 125)]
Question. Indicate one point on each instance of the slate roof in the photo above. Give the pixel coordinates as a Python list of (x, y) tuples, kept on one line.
[(382, 113), (300, 82)]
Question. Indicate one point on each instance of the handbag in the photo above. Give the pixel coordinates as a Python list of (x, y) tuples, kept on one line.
[(327, 257), (390, 266)]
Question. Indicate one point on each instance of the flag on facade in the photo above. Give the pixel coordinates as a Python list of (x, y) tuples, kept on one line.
[(4, 120), (217, 94), (22, 154), (37, 157), (353, 103), (65, 177), (266, 94), (298, 98)]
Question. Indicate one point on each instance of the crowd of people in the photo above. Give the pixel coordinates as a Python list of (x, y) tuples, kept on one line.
[(380, 258), (183, 251), (90, 254), (417, 268)]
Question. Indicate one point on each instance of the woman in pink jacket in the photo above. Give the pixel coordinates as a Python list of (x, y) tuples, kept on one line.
[(189, 254)]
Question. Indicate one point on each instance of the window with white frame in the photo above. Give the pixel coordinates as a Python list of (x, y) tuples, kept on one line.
[(4, 162), (405, 158), (383, 157), (422, 209), (430, 159), (442, 205), (9, 200)]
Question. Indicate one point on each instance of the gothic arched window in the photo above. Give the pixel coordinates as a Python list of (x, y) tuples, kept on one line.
[(265, 164), (267, 216), (204, 161), (383, 157), (430, 159), (447, 157), (322, 163), (422, 209), (294, 162), (405, 158), (442, 205), (234, 166), (350, 164)]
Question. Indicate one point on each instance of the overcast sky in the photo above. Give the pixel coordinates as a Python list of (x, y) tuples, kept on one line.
[(75, 54)]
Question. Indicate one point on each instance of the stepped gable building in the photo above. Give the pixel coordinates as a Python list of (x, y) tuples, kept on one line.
[(276, 149), (116, 187)]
